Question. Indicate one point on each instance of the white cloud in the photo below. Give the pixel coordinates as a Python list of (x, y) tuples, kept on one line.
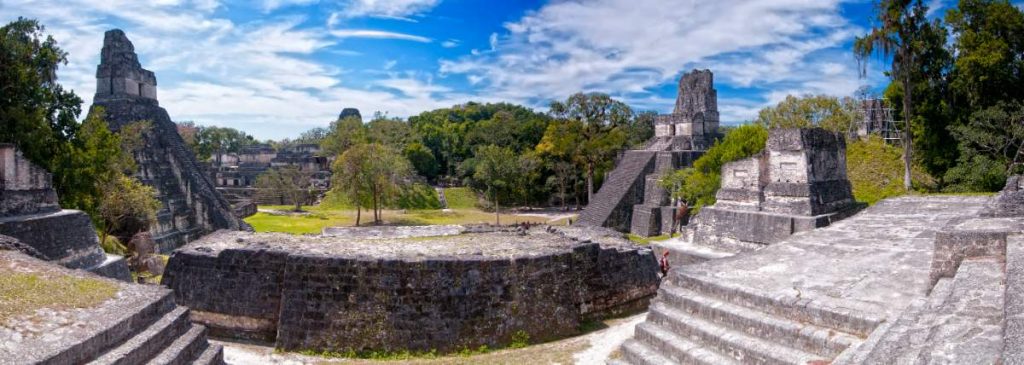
[(378, 34), (629, 47), (398, 9), (271, 5), (451, 43), (260, 76)]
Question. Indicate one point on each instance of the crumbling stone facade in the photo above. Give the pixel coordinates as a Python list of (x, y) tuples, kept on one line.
[(235, 174), (434, 293), (630, 198), (29, 213), (126, 92), (797, 183)]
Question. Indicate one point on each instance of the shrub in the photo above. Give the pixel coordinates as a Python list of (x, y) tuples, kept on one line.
[(697, 185)]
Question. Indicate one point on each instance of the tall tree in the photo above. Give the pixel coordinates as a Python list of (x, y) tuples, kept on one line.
[(897, 35), (371, 174), (288, 182), (344, 133), (829, 112), (603, 134), (496, 168)]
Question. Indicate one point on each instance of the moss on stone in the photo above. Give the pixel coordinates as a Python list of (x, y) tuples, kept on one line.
[(22, 293)]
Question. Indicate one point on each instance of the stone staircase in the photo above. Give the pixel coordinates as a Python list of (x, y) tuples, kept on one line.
[(648, 216), (149, 331), (958, 323), (612, 205), (693, 320)]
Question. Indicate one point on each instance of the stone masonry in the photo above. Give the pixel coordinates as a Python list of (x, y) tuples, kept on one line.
[(139, 325), (630, 198), (29, 213), (797, 183), (439, 293), (827, 296), (126, 92)]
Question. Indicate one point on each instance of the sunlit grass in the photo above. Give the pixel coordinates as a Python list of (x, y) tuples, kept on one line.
[(23, 293), (315, 219)]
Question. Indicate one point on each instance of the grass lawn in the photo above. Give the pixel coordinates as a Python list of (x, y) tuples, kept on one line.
[(22, 293), (460, 198), (646, 240), (314, 219)]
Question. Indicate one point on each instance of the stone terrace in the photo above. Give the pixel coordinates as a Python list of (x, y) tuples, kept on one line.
[(442, 293), (139, 324), (809, 297)]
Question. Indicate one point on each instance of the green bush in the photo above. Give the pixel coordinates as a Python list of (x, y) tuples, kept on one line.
[(697, 185), (875, 170)]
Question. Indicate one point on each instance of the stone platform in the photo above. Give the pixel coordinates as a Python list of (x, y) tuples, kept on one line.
[(140, 324), (440, 293), (809, 297)]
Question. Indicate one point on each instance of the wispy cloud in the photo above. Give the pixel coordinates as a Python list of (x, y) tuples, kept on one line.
[(377, 34), (395, 9), (450, 43), (603, 45)]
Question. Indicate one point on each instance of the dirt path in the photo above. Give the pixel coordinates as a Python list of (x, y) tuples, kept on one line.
[(589, 349)]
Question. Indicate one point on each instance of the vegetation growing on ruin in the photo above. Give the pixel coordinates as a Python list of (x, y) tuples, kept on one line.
[(875, 170), (697, 185), (317, 218), (23, 293)]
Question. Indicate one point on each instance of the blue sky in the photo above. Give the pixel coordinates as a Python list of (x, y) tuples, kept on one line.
[(275, 68)]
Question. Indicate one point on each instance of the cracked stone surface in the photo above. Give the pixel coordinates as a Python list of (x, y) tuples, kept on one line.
[(874, 262)]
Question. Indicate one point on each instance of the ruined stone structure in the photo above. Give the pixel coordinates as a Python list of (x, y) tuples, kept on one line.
[(828, 294), (140, 324), (630, 198), (29, 213), (797, 183), (192, 207), (444, 293), (236, 173)]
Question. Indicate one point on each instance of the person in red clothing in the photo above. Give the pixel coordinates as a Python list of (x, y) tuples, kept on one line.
[(664, 263)]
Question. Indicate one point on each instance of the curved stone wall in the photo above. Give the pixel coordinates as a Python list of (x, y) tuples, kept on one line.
[(418, 294)]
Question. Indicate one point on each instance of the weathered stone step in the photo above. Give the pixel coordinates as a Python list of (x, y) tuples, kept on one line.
[(636, 353), (740, 346), (856, 323), (184, 349), (213, 355), (678, 349), (136, 316), (149, 342), (687, 253), (816, 340)]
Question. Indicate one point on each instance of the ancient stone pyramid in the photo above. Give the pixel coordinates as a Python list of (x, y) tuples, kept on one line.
[(192, 207)]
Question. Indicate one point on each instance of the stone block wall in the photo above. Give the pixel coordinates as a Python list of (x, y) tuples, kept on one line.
[(24, 187), (337, 302)]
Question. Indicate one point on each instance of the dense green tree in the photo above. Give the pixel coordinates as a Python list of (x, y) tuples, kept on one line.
[(422, 160), (209, 141), (313, 136), (901, 22), (496, 168), (991, 148), (605, 123), (36, 113), (92, 161), (128, 207), (829, 112), (392, 132), (344, 133), (287, 182), (369, 174)]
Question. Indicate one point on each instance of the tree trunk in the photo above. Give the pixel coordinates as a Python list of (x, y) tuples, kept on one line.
[(376, 216), (907, 138), (497, 216), (359, 212), (590, 182)]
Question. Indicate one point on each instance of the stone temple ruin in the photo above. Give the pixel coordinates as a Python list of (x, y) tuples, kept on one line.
[(630, 198), (443, 293), (235, 174), (911, 280), (29, 213), (192, 207)]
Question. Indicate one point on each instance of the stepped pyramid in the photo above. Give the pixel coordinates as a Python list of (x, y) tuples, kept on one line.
[(630, 198), (192, 207)]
